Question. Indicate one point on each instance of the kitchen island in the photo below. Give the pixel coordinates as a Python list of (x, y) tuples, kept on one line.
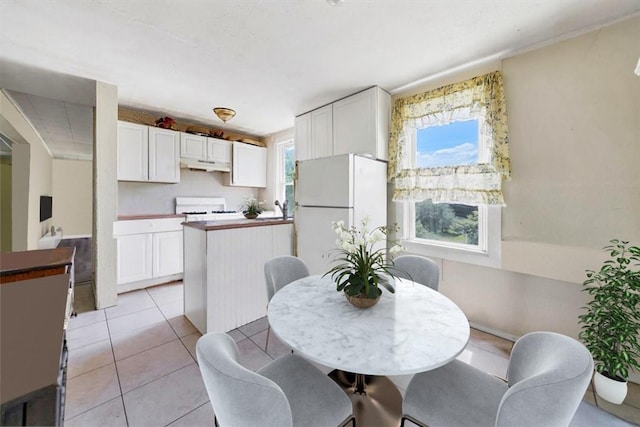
[(224, 284)]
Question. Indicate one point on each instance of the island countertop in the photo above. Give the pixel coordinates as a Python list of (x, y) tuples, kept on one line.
[(236, 223)]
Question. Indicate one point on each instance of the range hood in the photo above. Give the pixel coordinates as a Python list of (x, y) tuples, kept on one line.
[(205, 166)]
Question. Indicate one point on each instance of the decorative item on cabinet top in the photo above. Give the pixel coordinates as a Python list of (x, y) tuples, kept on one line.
[(149, 119)]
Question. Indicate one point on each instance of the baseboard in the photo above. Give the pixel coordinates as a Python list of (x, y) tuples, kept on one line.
[(495, 332), (128, 287)]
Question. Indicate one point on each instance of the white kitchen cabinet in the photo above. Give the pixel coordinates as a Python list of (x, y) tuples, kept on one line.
[(224, 284), (149, 252), (321, 131), (314, 134), (164, 160), (361, 123), (302, 137), (205, 149), (134, 258), (193, 146), (167, 253), (356, 124), (133, 152), (219, 150), (249, 166), (147, 154)]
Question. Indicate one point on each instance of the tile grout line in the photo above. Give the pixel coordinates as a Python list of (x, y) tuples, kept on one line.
[(115, 363), (172, 328)]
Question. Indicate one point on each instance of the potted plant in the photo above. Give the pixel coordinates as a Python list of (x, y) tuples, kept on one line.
[(611, 324), (362, 267), (252, 208)]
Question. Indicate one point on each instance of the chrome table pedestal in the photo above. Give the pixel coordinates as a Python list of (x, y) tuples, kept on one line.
[(376, 399)]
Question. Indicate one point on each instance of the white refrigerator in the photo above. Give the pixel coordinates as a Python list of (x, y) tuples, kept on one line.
[(346, 187)]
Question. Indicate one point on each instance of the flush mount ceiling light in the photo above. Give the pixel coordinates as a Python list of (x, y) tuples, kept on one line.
[(334, 2), (225, 114)]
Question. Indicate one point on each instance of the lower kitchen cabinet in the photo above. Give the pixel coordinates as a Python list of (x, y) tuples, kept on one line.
[(134, 257), (224, 284), (149, 252), (167, 253)]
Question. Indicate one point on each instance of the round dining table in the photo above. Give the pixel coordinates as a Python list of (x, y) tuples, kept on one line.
[(415, 329)]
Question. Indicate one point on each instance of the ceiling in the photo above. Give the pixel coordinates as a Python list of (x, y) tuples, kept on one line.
[(269, 60)]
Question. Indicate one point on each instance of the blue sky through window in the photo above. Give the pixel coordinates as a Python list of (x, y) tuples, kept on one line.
[(453, 144)]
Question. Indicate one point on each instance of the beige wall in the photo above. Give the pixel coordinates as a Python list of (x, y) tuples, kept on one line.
[(31, 177), (574, 117), (72, 191), (5, 204)]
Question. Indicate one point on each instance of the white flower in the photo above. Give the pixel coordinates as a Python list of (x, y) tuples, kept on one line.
[(348, 247), (375, 236)]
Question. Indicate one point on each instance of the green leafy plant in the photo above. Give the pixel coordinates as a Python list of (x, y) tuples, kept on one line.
[(362, 266), (611, 324), (252, 206)]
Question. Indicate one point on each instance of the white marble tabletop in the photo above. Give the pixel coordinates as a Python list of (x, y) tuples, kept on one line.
[(414, 330)]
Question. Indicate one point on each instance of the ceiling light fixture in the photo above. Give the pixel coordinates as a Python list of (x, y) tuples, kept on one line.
[(334, 2), (225, 114)]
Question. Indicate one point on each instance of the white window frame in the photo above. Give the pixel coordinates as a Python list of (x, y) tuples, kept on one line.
[(486, 253), (280, 171)]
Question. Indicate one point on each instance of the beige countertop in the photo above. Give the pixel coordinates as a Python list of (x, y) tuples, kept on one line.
[(236, 223)]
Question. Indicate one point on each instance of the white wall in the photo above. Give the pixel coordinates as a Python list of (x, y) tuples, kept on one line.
[(574, 121), (31, 176), (136, 198), (72, 196)]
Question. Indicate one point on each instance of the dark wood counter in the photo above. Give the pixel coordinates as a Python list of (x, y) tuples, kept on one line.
[(236, 223), (148, 216), (16, 266)]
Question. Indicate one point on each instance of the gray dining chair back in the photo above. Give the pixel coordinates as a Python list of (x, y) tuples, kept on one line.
[(548, 375), (239, 397), (420, 269), (281, 271), (286, 392)]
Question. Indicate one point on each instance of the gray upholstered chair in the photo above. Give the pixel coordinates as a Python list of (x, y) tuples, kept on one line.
[(281, 271), (287, 392), (548, 375), (421, 270)]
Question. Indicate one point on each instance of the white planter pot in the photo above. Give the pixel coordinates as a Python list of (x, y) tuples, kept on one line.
[(610, 390)]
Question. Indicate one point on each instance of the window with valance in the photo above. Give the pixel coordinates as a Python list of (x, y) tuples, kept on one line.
[(473, 182)]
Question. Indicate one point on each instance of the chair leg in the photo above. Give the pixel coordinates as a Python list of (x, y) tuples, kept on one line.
[(266, 344), (351, 420)]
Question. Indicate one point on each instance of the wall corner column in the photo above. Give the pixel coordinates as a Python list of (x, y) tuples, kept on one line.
[(105, 194)]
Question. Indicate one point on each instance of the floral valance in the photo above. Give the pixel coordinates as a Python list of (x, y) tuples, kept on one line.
[(482, 98)]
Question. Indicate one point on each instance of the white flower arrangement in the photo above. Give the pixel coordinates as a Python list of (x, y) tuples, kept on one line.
[(362, 264), (252, 206)]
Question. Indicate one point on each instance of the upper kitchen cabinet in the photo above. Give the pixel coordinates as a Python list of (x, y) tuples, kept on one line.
[(204, 152), (314, 134), (164, 160), (133, 152), (147, 154), (361, 123), (356, 124), (249, 166)]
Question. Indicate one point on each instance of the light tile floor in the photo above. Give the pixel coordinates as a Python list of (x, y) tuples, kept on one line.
[(134, 364)]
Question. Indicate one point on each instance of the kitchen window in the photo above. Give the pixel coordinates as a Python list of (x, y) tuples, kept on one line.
[(448, 159), (456, 225), (286, 171)]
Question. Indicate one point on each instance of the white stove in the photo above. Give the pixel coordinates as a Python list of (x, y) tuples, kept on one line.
[(205, 209)]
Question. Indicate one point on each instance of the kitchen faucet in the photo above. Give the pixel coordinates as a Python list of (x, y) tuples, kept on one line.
[(283, 208)]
